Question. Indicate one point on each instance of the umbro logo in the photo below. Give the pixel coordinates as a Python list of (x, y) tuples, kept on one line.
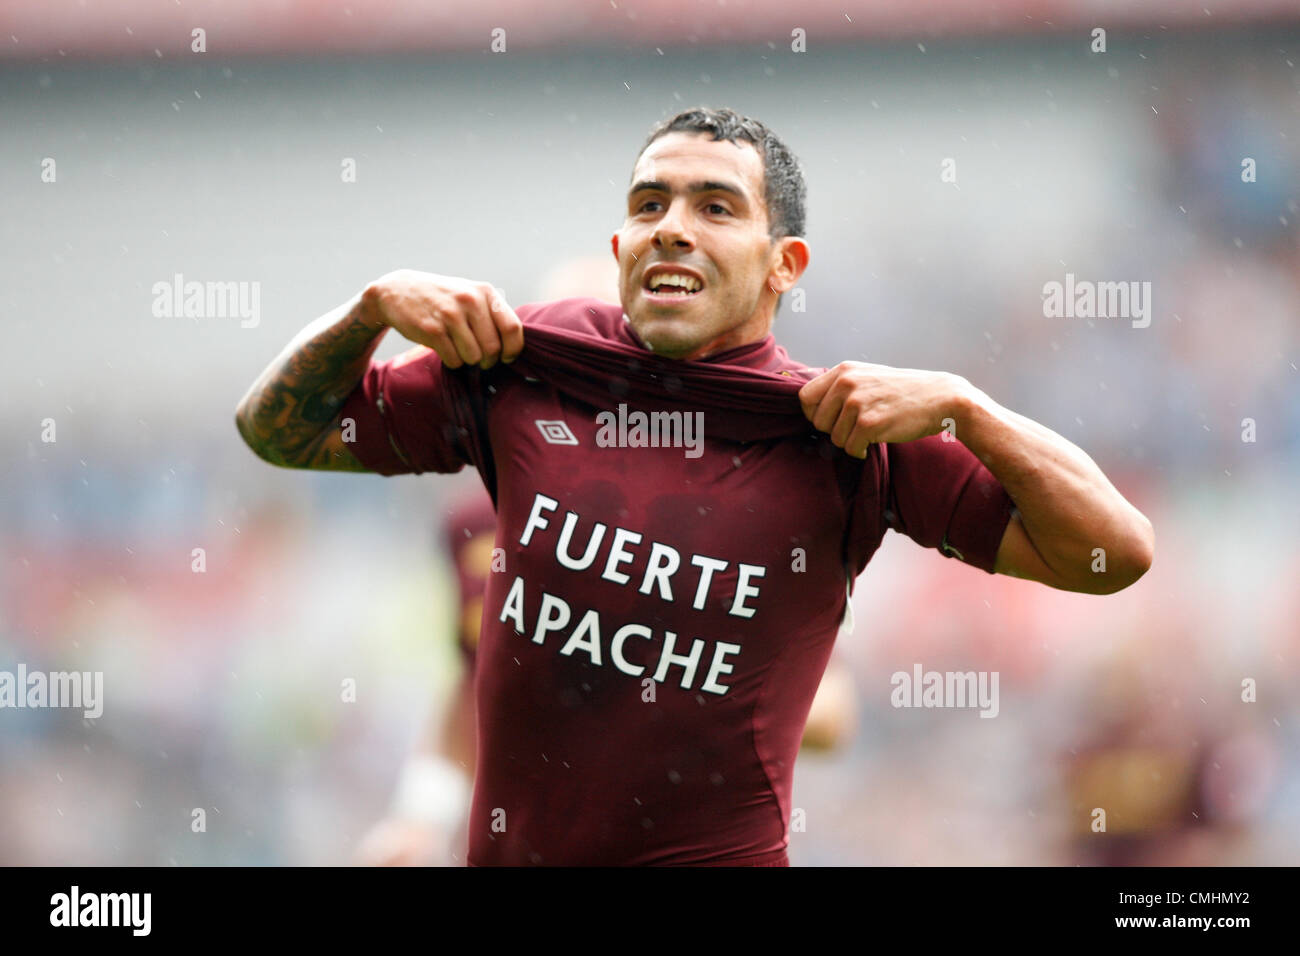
[(556, 432)]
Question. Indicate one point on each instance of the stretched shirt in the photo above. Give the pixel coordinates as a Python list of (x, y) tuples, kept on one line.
[(666, 593)]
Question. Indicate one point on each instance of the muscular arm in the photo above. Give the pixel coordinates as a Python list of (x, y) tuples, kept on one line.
[(289, 417), (1066, 506)]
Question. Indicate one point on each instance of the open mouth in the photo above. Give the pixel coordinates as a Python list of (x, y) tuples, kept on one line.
[(668, 286)]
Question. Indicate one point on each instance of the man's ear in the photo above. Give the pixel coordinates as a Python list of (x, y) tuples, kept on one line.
[(791, 259)]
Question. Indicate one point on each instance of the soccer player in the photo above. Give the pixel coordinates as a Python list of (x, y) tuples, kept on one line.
[(659, 613)]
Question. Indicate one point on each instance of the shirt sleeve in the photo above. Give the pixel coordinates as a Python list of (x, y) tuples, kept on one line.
[(410, 417), (941, 496)]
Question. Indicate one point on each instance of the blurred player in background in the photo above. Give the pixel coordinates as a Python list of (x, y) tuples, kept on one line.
[(425, 825), (1152, 783)]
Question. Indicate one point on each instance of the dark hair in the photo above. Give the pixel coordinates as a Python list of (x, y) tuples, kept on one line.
[(783, 187)]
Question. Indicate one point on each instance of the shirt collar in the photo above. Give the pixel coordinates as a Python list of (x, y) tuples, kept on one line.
[(757, 355)]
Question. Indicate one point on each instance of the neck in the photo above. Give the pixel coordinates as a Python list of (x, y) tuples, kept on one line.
[(755, 329)]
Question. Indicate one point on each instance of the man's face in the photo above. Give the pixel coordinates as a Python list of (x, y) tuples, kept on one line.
[(696, 208)]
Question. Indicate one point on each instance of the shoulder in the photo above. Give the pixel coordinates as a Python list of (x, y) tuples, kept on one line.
[(589, 316), (781, 363)]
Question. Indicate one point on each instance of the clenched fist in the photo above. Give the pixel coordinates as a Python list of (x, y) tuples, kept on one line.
[(465, 322), (858, 403)]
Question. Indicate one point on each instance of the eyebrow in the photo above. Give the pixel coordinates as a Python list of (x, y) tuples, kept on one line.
[(700, 186)]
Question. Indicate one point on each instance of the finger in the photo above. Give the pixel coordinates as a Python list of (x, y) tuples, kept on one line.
[(510, 328), (811, 394), (441, 343), (858, 442), (845, 424), (457, 326), (484, 328), (828, 411)]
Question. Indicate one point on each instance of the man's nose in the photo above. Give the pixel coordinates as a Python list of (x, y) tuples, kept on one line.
[(671, 230)]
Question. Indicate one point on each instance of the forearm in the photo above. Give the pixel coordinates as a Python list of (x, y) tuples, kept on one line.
[(286, 411), (1068, 508)]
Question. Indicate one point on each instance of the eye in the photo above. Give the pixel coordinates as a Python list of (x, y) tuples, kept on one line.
[(648, 202), (719, 206)]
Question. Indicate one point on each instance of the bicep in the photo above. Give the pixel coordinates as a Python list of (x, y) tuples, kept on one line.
[(1017, 556), (400, 419), (330, 452), (943, 497)]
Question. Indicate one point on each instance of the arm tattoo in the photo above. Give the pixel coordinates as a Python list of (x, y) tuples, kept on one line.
[(288, 415)]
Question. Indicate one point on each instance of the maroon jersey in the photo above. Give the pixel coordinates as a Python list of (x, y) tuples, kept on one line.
[(659, 624)]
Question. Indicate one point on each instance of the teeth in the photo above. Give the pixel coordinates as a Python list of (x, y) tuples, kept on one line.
[(688, 283)]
